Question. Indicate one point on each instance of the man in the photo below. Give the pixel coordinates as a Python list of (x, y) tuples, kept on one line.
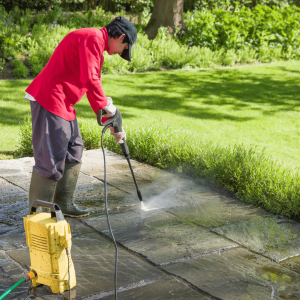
[(73, 70)]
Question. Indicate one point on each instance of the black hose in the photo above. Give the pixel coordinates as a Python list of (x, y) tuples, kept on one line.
[(106, 210)]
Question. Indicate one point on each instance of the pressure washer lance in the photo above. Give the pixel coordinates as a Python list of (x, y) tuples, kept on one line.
[(116, 123)]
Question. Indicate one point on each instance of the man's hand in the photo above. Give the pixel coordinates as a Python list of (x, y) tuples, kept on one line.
[(110, 108), (119, 136)]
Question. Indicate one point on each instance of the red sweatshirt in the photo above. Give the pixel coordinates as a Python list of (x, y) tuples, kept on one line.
[(73, 70)]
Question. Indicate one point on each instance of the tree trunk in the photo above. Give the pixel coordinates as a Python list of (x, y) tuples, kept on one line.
[(166, 13)]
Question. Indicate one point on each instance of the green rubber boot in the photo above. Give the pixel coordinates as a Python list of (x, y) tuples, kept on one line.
[(65, 190), (41, 188)]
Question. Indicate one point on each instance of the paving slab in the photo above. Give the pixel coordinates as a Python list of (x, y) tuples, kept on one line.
[(275, 237), (292, 263), (12, 237), (238, 274), (13, 212), (214, 211), (93, 164), (160, 290), (92, 197), (159, 236), (10, 193), (16, 166), (94, 260)]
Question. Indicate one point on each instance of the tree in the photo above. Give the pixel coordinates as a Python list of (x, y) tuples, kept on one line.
[(166, 13)]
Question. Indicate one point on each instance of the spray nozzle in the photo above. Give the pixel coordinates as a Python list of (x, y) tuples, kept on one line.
[(139, 195)]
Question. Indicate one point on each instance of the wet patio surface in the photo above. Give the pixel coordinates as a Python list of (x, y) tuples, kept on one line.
[(184, 241)]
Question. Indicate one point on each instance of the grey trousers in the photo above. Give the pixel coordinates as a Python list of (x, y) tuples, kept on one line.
[(55, 141)]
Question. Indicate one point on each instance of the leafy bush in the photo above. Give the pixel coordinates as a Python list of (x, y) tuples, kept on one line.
[(36, 69), (249, 174), (33, 60), (20, 70), (25, 140), (233, 29)]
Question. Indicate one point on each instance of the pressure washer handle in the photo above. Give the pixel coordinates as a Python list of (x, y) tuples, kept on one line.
[(54, 209), (115, 121)]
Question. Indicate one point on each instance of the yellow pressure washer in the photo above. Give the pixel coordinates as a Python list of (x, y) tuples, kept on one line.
[(48, 237)]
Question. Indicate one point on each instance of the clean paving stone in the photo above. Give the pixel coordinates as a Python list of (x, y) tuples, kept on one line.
[(159, 236), (12, 237), (275, 237), (94, 260), (214, 211), (163, 289), (92, 197), (239, 274), (9, 268), (13, 212)]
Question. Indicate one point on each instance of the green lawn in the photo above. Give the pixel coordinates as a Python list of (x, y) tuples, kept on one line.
[(253, 105)]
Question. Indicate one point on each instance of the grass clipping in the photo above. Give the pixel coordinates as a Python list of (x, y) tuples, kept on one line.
[(248, 173)]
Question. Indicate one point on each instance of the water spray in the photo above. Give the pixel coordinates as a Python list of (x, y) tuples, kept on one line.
[(116, 123)]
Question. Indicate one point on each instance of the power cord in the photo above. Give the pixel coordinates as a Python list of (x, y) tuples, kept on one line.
[(106, 210)]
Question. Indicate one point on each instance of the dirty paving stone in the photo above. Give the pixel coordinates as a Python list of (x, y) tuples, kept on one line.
[(214, 211), (16, 166), (159, 236), (292, 263), (93, 164), (10, 193), (239, 274), (164, 289), (275, 237)]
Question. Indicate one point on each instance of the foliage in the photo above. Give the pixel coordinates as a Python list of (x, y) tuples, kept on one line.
[(190, 5), (107, 5), (25, 139), (241, 27), (20, 70)]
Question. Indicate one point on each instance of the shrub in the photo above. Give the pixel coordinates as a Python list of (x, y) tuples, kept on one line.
[(25, 140), (229, 58), (20, 70), (241, 26), (33, 60), (36, 69)]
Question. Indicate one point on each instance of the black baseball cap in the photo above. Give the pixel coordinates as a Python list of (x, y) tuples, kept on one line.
[(128, 28)]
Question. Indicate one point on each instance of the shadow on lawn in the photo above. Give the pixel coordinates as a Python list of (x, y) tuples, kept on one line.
[(194, 94), (210, 88)]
